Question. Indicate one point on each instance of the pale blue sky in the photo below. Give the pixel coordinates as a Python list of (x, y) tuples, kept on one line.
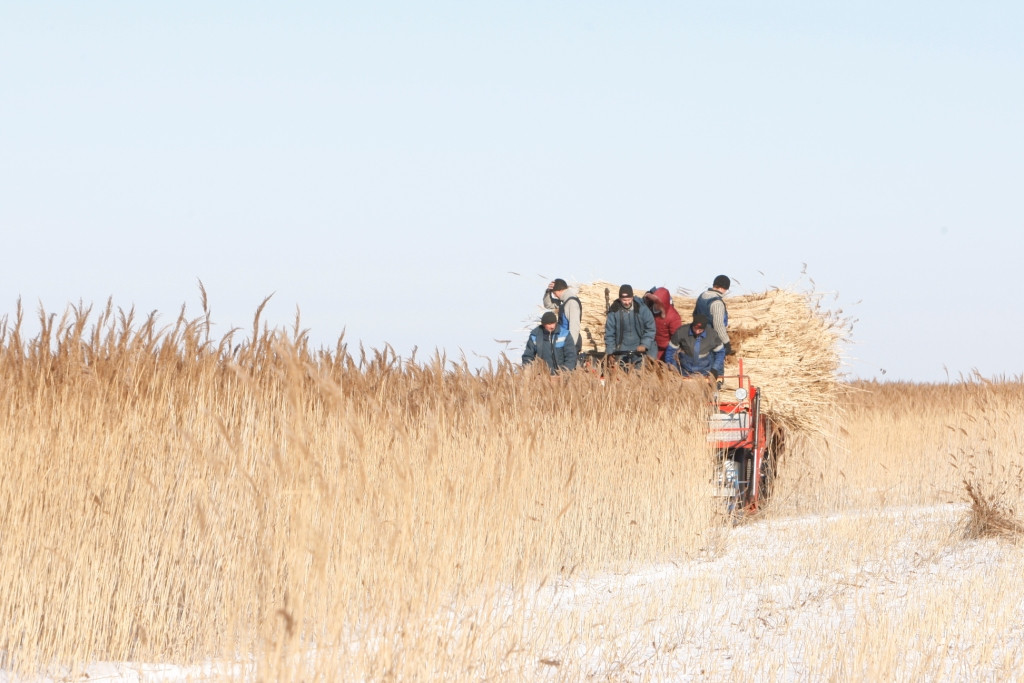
[(386, 166)]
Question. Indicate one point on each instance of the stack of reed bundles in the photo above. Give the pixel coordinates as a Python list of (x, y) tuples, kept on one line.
[(788, 343)]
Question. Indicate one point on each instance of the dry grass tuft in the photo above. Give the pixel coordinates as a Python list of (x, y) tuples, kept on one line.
[(985, 439), (991, 515), (995, 490)]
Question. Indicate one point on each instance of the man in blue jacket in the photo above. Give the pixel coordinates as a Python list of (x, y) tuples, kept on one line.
[(546, 344), (629, 329), (696, 349)]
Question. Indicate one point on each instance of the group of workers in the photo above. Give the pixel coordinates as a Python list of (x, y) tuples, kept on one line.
[(636, 328)]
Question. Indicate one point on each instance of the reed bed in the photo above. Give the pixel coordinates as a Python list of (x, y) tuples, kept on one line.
[(327, 515), (910, 444), (171, 497)]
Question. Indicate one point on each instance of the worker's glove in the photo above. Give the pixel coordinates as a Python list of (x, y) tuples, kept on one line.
[(728, 348), (718, 385)]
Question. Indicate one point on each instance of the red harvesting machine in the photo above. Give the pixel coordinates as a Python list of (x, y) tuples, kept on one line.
[(747, 444)]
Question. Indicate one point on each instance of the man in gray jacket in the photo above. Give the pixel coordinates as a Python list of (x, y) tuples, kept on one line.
[(565, 301), (629, 328), (696, 349)]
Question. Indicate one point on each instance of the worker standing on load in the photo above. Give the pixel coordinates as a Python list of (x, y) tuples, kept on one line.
[(666, 317), (711, 305), (565, 301), (629, 329), (697, 350), (543, 344)]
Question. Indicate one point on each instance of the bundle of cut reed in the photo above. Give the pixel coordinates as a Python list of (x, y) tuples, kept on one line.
[(595, 298), (788, 343)]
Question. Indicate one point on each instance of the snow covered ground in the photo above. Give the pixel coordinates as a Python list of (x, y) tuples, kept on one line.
[(892, 593)]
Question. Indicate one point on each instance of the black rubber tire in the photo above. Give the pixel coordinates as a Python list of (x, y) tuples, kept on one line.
[(769, 464)]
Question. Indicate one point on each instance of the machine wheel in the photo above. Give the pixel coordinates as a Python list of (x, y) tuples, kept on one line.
[(744, 460), (748, 476), (769, 463)]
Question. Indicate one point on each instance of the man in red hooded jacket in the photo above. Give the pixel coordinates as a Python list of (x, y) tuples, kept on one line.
[(666, 317)]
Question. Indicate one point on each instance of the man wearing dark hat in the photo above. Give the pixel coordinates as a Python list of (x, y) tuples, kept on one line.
[(565, 301), (696, 349), (543, 344), (629, 328), (710, 304)]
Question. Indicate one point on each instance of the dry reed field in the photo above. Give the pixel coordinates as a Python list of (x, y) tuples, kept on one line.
[(178, 507), (171, 498)]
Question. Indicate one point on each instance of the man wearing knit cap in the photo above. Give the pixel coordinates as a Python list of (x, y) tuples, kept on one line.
[(696, 349), (629, 329), (710, 304), (565, 301), (543, 344)]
